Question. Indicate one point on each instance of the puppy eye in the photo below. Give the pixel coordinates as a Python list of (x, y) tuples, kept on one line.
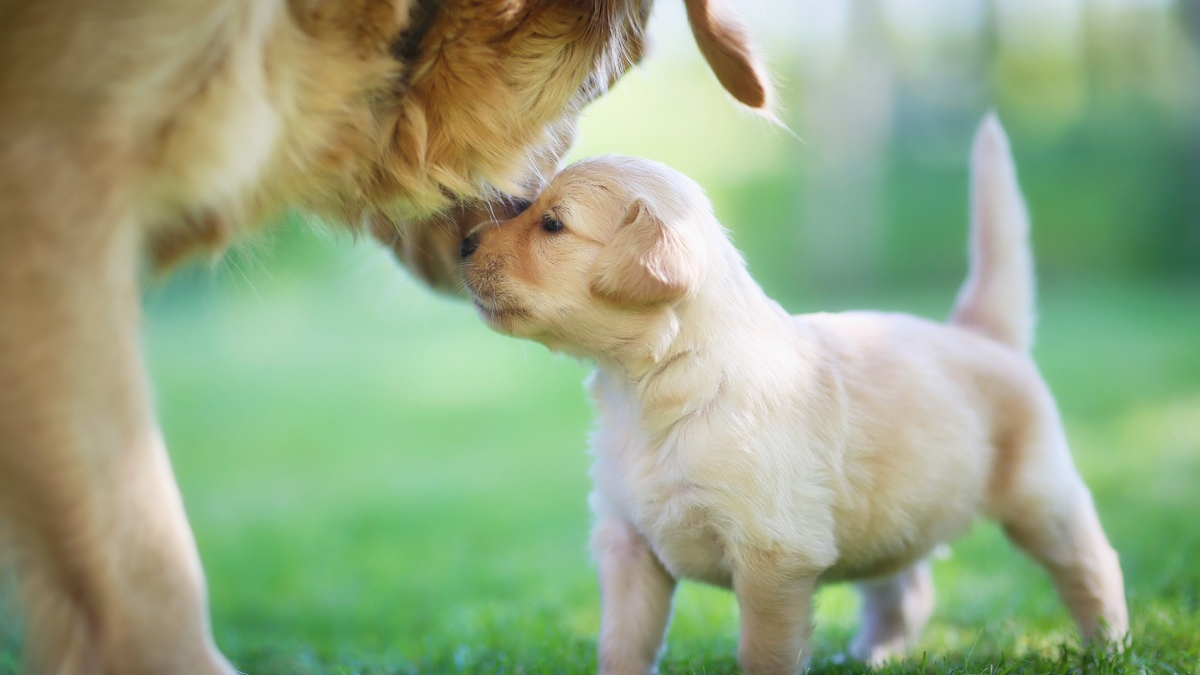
[(551, 224)]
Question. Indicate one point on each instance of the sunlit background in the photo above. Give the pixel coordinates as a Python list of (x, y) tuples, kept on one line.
[(378, 483)]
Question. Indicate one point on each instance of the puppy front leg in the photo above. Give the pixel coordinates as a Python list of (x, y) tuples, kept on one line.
[(776, 619), (635, 599)]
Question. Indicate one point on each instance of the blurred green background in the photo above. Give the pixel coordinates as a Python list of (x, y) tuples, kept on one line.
[(379, 484)]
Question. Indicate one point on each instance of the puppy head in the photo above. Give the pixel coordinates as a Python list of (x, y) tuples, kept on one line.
[(598, 262)]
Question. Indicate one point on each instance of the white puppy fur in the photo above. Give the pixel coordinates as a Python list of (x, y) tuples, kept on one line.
[(768, 453)]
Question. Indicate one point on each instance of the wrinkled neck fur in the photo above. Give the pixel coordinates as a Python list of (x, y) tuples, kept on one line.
[(682, 362)]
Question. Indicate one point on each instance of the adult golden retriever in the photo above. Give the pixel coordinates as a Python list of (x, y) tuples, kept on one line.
[(133, 132)]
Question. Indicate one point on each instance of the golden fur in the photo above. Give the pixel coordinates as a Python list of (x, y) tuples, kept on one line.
[(136, 132), (740, 446)]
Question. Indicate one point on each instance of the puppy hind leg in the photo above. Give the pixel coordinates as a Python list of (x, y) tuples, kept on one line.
[(1057, 525), (895, 609)]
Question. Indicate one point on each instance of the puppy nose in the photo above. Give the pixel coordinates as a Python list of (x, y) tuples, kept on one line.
[(469, 245)]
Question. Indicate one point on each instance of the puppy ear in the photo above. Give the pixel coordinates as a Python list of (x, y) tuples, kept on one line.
[(726, 46), (647, 262)]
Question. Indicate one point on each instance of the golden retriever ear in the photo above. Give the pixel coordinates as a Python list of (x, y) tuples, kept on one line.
[(647, 262), (726, 46)]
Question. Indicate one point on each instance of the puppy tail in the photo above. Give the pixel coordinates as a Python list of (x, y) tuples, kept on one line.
[(997, 299)]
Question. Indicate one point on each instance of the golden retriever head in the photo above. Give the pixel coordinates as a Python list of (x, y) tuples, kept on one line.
[(598, 261), (487, 104), (392, 112), (492, 89)]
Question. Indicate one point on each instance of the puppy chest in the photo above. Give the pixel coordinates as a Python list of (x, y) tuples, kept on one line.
[(684, 527), (676, 497), (695, 554)]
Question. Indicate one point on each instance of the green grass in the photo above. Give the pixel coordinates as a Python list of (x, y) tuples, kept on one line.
[(380, 485)]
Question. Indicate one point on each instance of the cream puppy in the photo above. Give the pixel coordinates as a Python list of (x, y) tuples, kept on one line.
[(747, 448)]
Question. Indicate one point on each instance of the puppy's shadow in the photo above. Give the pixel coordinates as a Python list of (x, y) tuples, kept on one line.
[(1069, 659)]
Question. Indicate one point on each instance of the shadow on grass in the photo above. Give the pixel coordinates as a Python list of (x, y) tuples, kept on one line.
[(1062, 659), (577, 657)]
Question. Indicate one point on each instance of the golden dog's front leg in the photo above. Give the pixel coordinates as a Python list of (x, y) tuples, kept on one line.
[(110, 581), (635, 599), (775, 606)]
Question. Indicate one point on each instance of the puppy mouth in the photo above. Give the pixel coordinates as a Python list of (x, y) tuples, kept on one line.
[(494, 310), (497, 312), (495, 306)]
